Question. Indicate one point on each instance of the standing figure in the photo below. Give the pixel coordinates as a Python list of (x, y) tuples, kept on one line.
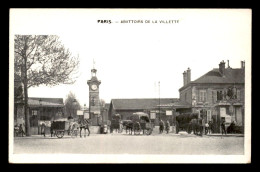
[(167, 126), (200, 126), (161, 124), (223, 127), (43, 128), (52, 123), (21, 130), (210, 128), (206, 128)]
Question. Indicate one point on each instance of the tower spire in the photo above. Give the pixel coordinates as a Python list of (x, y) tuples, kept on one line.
[(93, 64)]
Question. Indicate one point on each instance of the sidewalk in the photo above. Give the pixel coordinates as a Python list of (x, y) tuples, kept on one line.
[(227, 135)]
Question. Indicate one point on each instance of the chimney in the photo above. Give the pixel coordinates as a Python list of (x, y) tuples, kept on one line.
[(222, 68), (188, 75), (242, 64), (228, 64), (184, 78)]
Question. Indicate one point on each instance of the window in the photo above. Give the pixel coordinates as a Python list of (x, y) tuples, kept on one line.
[(185, 96), (34, 112), (202, 95), (238, 94), (208, 115)]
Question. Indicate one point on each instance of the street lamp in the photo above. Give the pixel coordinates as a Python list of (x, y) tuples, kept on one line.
[(40, 103), (74, 106)]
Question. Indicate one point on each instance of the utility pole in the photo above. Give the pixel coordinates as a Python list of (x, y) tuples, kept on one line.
[(159, 102)]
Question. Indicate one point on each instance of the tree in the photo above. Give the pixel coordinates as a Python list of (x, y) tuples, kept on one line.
[(71, 105), (42, 59)]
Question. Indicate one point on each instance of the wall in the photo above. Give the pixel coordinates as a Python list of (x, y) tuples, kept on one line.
[(188, 92)]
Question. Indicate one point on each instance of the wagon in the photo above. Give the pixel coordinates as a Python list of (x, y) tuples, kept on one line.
[(59, 128), (141, 122), (115, 123)]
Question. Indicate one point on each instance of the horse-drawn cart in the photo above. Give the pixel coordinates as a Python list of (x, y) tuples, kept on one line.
[(141, 122), (59, 128)]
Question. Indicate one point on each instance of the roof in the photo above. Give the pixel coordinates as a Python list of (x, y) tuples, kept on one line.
[(46, 102), (231, 76), (178, 104), (107, 105), (136, 104)]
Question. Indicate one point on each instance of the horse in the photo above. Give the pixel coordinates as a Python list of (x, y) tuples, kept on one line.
[(128, 126), (84, 124), (195, 126)]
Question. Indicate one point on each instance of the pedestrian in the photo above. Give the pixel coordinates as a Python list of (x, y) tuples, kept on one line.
[(21, 130), (177, 127), (223, 127), (206, 128), (52, 123), (200, 126), (167, 126), (161, 124), (43, 128), (210, 128)]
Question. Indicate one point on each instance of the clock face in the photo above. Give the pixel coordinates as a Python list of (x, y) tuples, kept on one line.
[(94, 87)]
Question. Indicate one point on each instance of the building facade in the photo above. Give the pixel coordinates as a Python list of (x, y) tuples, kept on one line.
[(218, 95)]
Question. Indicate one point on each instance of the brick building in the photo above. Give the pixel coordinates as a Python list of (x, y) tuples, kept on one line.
[(219, 94)]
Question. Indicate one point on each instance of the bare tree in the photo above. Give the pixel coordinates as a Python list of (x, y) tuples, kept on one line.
[(71, 105), (42, 59)]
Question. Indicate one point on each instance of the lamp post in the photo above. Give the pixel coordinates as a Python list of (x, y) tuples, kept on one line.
[(40, 103), (159, 102), (74, 107)]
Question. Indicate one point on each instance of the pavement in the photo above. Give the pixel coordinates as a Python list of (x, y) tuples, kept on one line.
[(122, 143)]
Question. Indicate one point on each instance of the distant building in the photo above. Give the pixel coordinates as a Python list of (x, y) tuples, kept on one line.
[(126, 107), (218, 95), (40, 109)]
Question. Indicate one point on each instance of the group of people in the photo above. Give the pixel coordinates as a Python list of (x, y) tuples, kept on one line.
[(161, 126), (18, 130)]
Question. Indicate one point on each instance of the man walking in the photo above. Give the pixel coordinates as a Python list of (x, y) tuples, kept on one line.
[(210, 128), (161, 124), (167, 126), (43, 128), (223, 127)]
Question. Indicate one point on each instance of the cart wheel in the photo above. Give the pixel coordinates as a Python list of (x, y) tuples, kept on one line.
[(60, 134), (148, 131)]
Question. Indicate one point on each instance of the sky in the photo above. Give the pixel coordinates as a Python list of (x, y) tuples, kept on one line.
[(131, 58)]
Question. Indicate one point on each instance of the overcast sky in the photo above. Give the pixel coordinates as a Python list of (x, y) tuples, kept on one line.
[(132, 57)]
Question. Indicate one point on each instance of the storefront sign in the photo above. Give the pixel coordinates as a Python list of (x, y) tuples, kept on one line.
[(47, 123), (168, 112), (80, 112), (86, 115), (222, 112), (152, 115), (228, 119)]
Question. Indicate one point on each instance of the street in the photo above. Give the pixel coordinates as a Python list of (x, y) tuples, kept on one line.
[(116, 143)]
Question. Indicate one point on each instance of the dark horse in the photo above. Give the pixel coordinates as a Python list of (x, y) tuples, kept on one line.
[(128, 124), (85, 125), (197, 126)]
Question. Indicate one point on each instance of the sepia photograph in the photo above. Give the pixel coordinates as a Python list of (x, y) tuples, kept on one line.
[(130, 85)]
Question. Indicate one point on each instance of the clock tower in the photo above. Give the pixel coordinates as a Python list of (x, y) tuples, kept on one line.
[(94, 102)]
